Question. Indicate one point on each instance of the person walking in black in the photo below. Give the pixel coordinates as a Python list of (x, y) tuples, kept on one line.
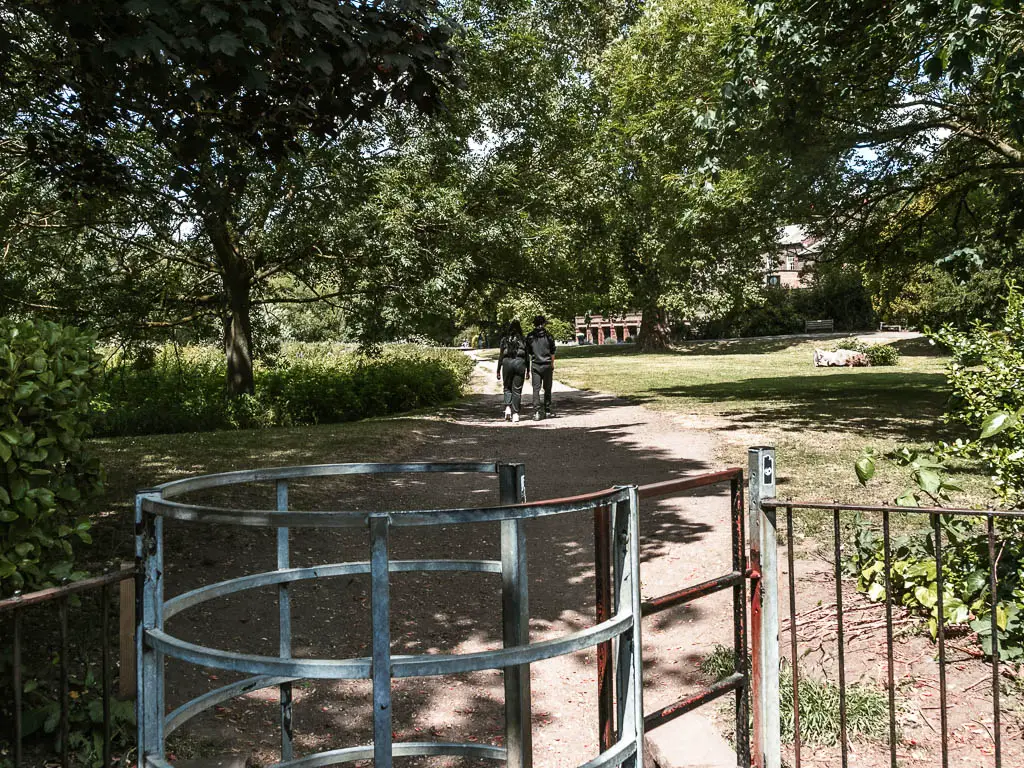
[(542, 366), (512, 360)]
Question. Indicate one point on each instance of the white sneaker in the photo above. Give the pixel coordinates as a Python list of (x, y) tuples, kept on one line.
[(508, 413), (515, 418)]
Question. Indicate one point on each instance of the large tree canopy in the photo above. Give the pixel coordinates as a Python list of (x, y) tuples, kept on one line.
[(902, 123), (677, 238), (210, 116)]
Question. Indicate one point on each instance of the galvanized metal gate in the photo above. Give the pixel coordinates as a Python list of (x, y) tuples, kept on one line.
[(619, 507)]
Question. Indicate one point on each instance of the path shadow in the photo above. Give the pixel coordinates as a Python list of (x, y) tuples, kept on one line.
[(432, 613)]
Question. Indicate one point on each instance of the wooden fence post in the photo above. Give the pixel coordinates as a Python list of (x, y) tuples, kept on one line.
[(126, 631)]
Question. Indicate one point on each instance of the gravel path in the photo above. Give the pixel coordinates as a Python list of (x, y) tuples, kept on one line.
[(594, 442)]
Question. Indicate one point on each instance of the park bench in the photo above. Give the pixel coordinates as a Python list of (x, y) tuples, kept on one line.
[(889, 327), (818, 326)]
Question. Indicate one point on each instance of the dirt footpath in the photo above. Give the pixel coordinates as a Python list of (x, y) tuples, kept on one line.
[(594, 442)]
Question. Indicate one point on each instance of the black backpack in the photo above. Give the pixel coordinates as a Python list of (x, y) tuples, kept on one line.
[(514, 347)]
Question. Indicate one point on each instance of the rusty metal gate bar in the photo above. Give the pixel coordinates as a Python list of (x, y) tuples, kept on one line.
[(154, 643), (934, 516), (16, 606), (736, 579)]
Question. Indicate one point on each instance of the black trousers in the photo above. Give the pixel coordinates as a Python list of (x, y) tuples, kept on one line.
[(542, 374), (513, 374)]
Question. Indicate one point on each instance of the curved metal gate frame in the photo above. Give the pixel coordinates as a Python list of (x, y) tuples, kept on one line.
[(154, 643)]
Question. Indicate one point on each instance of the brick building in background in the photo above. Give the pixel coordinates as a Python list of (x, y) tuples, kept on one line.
[(597, 329), (792, 263)]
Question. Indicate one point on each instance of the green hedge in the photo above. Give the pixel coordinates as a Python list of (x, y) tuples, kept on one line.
[(182, 390), (46, 474)]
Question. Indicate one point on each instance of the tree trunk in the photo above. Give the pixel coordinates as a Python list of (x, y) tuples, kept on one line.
[(238, 333), (654, 331)]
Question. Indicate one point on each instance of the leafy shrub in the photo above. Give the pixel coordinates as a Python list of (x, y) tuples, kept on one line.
[(932, 296), (46, 475), (306, 384), (773, 316), (966, 596), (878, 354), (987, 379), (836, 294)]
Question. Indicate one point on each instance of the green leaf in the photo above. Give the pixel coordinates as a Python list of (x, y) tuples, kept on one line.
[(926, 596), (5, 451), (225, 43), (907, 499), (876, 592), (8, 515), (865, 468), (976, 582), (929, 480), (995, 423)]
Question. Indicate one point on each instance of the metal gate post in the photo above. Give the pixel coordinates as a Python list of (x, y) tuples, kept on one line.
[(603, 603), (284, 607), (515, 621), (629, 666), (764, 611), (149, 596), (380, 622)]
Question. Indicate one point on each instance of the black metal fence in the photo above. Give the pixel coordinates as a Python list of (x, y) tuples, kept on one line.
[(29, 618), (934, 516)]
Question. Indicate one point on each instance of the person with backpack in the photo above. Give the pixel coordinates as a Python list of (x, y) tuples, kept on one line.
[(512, 362), (542, 366)]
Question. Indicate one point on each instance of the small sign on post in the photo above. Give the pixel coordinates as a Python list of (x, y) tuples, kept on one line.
[(764, 611)]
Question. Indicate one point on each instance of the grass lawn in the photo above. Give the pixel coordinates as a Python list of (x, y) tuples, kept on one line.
[(768, 392)]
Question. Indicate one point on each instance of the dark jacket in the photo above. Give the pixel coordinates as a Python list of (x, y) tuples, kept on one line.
[(542, 346), (512, 347)]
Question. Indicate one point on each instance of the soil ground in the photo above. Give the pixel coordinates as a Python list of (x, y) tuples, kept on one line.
[(594, 442)]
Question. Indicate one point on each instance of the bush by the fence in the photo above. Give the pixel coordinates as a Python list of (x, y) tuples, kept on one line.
[(46, 475), (182, 390)]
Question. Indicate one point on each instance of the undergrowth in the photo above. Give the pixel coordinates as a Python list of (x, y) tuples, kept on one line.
[(867, 707), (182, 389)]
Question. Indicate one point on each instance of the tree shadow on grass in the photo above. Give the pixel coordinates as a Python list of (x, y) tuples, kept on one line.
[(887, 403), (695, 348)]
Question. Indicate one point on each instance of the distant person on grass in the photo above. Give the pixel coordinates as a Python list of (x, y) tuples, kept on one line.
[(512, 363), (542, 366)]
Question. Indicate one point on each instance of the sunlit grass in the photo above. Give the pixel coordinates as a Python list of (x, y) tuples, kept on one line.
[(769, 392)]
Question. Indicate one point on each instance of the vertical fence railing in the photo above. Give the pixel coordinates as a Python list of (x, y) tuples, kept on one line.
[(58, 600), (284, 608), (934, 517), (603, 585), (515, 609)]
